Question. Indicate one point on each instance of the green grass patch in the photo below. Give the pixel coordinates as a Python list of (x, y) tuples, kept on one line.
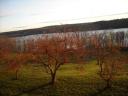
[(72, 80)]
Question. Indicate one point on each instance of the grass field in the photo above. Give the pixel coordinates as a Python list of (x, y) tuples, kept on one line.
[(72, 80)]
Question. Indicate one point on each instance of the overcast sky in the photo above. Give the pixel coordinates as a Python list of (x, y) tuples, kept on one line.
[(22, 14)]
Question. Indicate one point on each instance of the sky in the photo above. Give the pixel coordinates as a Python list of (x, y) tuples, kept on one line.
[(25, 14)]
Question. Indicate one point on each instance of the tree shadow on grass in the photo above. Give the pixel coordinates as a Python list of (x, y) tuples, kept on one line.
[(32, 89), (100, 91)]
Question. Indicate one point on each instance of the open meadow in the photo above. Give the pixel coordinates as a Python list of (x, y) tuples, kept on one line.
[(71, 80)]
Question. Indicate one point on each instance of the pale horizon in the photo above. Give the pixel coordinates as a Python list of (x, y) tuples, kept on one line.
[(28, 14)]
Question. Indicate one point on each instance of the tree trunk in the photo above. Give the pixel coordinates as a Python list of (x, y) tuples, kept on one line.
[(101, 67), (108, 84), (53, 78), (98, 61), (16, 77)]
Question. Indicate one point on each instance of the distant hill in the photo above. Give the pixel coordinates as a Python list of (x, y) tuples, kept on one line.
[(100, 25)]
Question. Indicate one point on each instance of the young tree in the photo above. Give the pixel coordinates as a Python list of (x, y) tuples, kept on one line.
[(108, 57), (50, 52), (16, 61), (11, 58), (54, 51), (6, 49), (111, 65)]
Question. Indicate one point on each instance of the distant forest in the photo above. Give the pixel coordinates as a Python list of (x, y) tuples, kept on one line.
[(99, 25)]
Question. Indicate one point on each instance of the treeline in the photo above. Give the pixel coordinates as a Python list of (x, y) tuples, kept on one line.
[(100, 25), (119, 38)]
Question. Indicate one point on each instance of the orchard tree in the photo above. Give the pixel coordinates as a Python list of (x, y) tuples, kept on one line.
[(16, 61), (11, 58), (50, 52), (111, 65), (7, 47), (108, 57), (53, 51)]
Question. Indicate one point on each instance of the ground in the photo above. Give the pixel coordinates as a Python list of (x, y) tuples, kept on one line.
[(72, 80)]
